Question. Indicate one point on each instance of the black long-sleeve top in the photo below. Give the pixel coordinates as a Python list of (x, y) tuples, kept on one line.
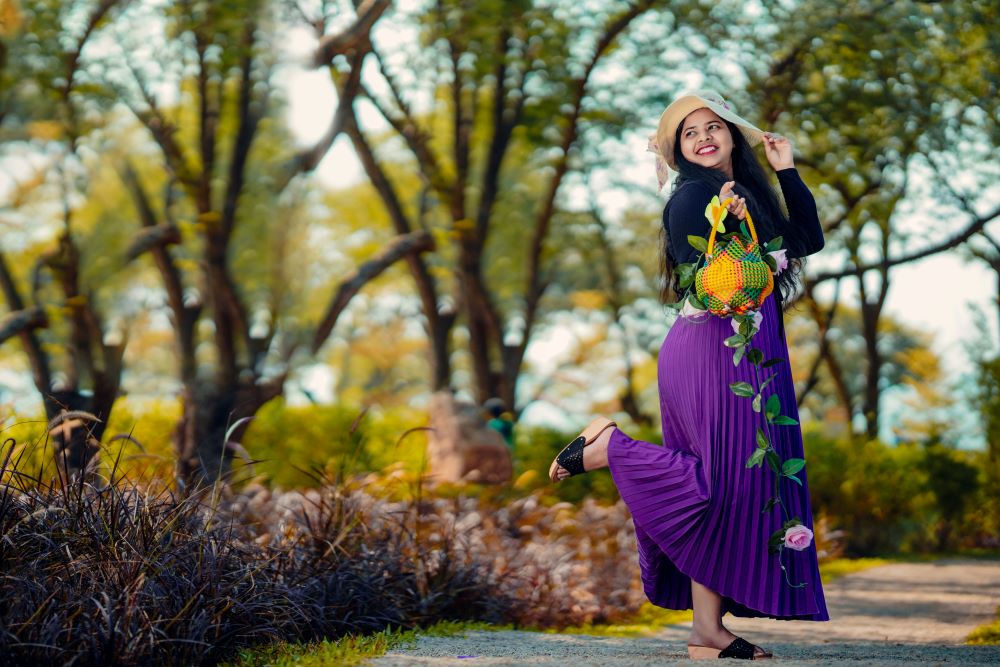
[(684, 215)]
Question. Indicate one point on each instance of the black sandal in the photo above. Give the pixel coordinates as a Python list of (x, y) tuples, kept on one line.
[(571, 457), (740, 649)]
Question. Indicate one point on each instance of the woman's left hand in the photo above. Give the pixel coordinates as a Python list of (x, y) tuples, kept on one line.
[(778, 150)]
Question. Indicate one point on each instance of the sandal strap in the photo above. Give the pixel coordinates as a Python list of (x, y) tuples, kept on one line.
[(571, 457), (740, 649)]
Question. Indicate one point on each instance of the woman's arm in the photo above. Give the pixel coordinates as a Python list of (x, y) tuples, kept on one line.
[(683, 216), (806, 237)]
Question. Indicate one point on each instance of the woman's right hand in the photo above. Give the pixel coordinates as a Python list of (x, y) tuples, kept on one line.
[(738, 206)]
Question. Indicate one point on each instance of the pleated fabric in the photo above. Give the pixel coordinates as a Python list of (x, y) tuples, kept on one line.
[(695, 505)]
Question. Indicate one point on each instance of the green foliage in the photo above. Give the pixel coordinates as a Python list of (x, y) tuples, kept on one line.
[(986, 634), (907, 498), (291, 445)]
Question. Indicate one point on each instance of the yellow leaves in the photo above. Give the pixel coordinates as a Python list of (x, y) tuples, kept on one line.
[(10, 18), (589, 299), (526, 480), (209, 219), (45, 130), (77, 301)]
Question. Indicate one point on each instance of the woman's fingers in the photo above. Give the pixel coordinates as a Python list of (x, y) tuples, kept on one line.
[(738, 207)]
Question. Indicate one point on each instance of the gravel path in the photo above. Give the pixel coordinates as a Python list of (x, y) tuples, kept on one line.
[(890, 615)]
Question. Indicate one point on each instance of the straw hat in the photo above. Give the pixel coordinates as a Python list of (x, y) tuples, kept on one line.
[(661, 142)]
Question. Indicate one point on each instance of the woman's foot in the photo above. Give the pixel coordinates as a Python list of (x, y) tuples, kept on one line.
[(719, 638), (595, 449)]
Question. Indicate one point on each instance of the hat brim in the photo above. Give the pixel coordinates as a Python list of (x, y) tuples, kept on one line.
[(679, 109)]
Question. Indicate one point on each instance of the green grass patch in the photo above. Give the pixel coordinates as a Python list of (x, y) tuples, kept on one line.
[(838, 567), (986, 634), (349, 651)]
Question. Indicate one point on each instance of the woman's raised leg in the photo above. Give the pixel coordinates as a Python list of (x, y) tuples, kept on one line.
[(595, 455)]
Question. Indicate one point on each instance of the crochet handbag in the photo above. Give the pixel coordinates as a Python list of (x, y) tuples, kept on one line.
[(735, 278)]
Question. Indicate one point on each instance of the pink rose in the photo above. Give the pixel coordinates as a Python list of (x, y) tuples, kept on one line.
[(780, 260), (798, 538)]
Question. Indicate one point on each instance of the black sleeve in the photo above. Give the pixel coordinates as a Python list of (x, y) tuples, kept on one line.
[(683, 216), (805, 234)]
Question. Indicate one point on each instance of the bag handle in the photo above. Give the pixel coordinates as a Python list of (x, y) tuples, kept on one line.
[(718, 219)]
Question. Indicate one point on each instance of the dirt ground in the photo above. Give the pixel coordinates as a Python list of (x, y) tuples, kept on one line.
[(909, 613)]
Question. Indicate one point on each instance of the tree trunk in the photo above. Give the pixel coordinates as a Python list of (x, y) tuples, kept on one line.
[(203, 453), (76, 442)]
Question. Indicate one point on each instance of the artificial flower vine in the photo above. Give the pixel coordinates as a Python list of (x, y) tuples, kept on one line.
[(740, 299)]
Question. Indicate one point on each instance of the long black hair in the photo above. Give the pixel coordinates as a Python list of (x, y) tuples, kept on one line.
[(761, 200)]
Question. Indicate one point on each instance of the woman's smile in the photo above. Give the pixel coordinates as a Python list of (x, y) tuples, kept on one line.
[(705, 140)]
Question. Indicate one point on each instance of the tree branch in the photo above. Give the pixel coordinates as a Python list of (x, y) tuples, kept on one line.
[(400, 247), (535, 284), (356, 38)]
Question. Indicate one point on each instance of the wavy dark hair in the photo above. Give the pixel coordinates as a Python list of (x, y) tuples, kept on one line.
[(761, 199)]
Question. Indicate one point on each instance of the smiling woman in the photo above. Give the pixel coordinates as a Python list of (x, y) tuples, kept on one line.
[(704, 540), (707, 142)]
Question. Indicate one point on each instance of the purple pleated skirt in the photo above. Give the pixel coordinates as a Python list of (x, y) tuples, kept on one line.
[(695, 505)]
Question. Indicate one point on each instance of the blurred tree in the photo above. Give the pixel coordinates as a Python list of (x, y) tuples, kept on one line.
[(838, 395), (513, 89), (56, 311), (887, 102), (206, 93)]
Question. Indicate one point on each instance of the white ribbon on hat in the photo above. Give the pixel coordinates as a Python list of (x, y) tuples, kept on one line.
[(662, 170)]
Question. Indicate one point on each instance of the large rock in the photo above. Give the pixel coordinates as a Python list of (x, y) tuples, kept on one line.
[(461, 447)]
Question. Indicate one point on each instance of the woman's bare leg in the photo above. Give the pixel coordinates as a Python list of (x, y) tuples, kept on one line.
[(595, 455), (707, 629)]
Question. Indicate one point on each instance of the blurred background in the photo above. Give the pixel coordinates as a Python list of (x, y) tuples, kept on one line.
[(274, 231)]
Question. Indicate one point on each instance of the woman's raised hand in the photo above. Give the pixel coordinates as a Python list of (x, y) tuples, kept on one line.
[(778, 150), (738, 206)]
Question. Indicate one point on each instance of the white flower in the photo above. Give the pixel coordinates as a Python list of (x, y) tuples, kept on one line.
[(780, 260), (758, 317), (690, 311)]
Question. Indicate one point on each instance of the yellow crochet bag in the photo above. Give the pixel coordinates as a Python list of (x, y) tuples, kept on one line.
[(736, 278)]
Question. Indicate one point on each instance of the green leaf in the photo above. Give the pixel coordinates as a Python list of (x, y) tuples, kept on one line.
[(695, 302), (771, 502), (792, 466), (794, 521), (744, 230), (782, 420), (698, 243), (794, 479), (755, 356), (685, 274), (735, 341), (773, 362), (762, 440), (771, 262), (738, 354), (756, 403), (773, 406), (768, 381), (741, 389), (773, 460), (776, 541), (745, 327), (774, 244), (756, 458)]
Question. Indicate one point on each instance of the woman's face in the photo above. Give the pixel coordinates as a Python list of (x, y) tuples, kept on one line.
[(707, 141)]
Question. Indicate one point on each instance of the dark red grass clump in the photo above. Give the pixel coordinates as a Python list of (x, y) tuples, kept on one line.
[(118, 574)]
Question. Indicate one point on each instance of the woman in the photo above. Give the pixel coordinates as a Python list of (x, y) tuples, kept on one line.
[(702, 536)]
